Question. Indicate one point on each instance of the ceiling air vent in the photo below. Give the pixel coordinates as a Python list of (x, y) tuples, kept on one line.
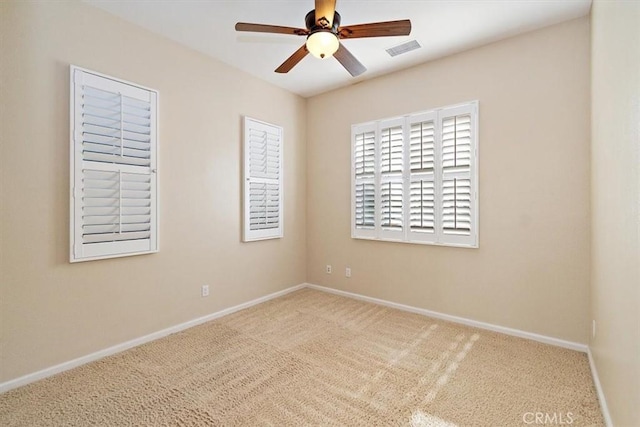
[(404, 48)]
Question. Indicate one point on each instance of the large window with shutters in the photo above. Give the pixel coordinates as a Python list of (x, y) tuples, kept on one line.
[(262, 181), (414, 178), (113, 163)]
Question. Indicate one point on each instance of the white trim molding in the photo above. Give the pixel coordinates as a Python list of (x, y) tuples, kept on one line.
[(461, 320), (65, 366), (47, 372), (596, 381)]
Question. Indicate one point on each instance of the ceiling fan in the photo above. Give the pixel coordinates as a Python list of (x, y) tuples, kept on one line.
[(324, 32)]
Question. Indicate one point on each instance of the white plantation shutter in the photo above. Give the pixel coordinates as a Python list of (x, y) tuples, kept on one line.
[(391, 182), (414, 178), (422, 176), (262, 180), (113, 167), (364, 180), (458, 183)]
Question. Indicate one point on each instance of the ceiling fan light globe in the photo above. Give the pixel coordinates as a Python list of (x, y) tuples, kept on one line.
[(322, 44)]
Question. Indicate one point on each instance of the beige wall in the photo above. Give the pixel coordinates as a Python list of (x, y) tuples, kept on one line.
[(615, 180), (531, 271), (52, 311)]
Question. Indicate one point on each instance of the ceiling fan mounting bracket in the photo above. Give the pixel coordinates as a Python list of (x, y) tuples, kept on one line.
[(322, 23)]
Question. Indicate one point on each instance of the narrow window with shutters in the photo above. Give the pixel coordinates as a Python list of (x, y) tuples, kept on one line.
[(113, 167), (262, 181), (419, 182)]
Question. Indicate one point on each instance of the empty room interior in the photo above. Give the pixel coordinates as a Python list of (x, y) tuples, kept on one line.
[(421, 213)]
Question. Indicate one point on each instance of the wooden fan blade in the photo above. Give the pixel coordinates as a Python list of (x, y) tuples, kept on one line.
[(262, 28), (348, 61), (376, 29), (293, 60), (325, 9)]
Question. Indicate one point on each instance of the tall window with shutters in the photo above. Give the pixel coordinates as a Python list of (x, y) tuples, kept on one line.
[(262, 181), (113, 167), (414, 178)]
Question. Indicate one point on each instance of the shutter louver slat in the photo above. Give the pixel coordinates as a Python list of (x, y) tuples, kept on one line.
[(111, 141)]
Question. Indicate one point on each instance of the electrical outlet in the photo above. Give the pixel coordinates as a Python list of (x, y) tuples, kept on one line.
[(347, 272), (328, 269), (593, 329), (205, 290)]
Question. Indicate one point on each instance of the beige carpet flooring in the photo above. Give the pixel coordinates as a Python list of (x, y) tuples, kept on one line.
[(313, 358)]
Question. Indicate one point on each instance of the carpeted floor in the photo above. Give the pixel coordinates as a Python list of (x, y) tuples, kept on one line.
[(312, 358)]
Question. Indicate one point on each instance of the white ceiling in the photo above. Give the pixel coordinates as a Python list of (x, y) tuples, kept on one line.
[(441, 27)]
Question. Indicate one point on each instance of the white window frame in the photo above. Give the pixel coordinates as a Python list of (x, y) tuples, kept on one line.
[(78, 250), (437, 237), (248, 234)]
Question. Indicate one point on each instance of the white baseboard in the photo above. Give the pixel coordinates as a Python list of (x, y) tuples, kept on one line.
[(596, 380), (455, 319), (47, 372)]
